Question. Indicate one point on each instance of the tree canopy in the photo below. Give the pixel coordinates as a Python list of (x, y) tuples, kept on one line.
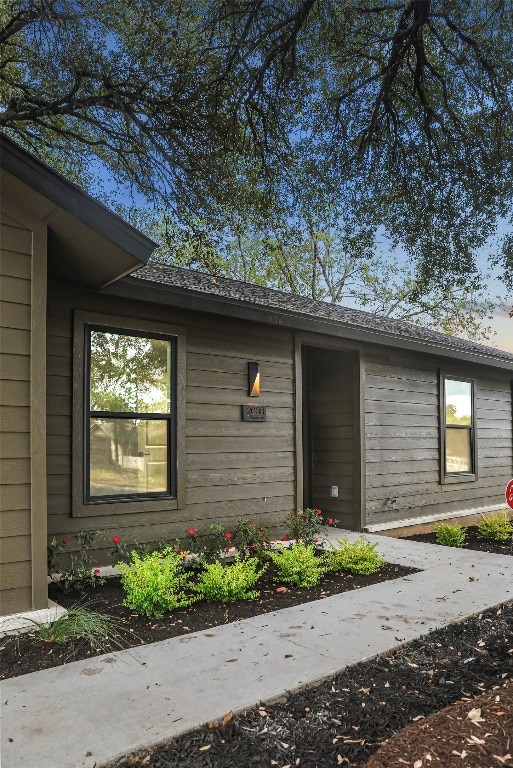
[(400, 110)]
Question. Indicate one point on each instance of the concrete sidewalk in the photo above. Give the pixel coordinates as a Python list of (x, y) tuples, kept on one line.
[(89, 712)]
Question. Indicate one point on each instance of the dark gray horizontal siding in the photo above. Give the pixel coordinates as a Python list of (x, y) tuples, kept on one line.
[(233, 468), (402, 441)]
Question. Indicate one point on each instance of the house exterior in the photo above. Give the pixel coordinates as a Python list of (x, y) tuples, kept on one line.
[(142, 399)]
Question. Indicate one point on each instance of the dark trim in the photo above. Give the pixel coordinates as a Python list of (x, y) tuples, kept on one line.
[(73, 200), (447, 478), (177, 462), (169, 418), (193, 300)]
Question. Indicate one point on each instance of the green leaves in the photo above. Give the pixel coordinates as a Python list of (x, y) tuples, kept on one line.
[(155, 583), (299, 565), (223, 109), (228, 583), (359, 556)]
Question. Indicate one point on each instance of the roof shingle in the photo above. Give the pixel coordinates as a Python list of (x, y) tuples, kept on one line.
[(291, 304)]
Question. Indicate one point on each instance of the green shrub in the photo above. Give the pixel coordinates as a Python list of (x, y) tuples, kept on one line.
[(496, 526), (304, 525), (359, 556), (155, 583), (227, 583), (299, 565), (79, 625), (449, 535)]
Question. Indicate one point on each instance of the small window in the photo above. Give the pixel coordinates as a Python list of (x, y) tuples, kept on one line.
[(458, 429), (130, 428)]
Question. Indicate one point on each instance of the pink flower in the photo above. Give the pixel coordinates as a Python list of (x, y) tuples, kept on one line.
[(228, 535), (65, 541), (191, 532), (116, 539), (319, 512), (97, 570), (330, 521)]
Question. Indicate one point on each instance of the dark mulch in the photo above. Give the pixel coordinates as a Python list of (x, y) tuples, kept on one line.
[(27, 653), (472, 734), (473, 541), (345, 719)]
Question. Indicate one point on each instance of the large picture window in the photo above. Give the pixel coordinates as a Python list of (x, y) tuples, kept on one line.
[(129, 407), (458, 428)]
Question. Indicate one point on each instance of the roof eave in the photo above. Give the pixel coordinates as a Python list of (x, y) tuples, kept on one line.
[(74, 201), (186, 298)]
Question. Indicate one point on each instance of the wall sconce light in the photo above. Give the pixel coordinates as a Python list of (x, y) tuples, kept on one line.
[(253, 380)]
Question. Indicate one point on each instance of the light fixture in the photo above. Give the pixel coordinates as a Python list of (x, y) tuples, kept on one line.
[(253, 380)]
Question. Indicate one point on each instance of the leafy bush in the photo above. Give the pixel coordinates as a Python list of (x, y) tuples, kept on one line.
[(299, 565), (207, 547), (450, 535), (155, 583), (496, 526), (99, 631), (73, 571), (227, 583), (359, 556), (304, 525), (251, 539), (122, 552)]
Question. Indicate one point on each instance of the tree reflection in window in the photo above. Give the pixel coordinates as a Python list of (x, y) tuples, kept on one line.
[(130, 415)]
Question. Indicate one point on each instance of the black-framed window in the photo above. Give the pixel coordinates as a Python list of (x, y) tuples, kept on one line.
[(130, 415), (458, 428)]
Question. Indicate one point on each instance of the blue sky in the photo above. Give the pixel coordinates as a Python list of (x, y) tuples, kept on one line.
[(501, 323)]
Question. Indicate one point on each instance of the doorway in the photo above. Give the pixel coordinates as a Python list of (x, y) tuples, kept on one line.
[(331, 434)]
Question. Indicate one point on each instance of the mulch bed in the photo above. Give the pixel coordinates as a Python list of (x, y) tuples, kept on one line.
[(473, 541), (345, 720), (27, 653)]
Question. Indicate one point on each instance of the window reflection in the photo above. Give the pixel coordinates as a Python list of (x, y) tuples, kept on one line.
[(458, 402), (128, 456), (129, 373)]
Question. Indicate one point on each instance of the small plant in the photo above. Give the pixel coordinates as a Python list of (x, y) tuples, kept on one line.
[(496, 526), (73, 571), (100, 632), (251, 539), (227, 583), (359, 556), (299, 565), (304, 525), (209, 547), (122, 552), (450, 535), (155, 583)]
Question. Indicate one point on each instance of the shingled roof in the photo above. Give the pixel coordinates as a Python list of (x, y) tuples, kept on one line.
[(215, 294)]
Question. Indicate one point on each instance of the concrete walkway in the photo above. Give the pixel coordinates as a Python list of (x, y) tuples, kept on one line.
[(92, 711)]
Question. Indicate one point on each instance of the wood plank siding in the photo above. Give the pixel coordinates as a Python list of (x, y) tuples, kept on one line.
[(331, 415), (232, 468), (15, 443), (402, 438)]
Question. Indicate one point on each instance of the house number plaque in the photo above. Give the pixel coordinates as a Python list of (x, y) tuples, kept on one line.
[(254, 413)]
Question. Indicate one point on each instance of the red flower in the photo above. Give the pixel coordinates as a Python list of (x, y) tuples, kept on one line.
[(228, 535), (319, 512), (285, 537), (65, 541), (97, 570), (116, 539), (191, 532), (330, 521)]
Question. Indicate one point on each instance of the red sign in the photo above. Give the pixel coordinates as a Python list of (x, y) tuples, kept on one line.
[(509, 494)]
